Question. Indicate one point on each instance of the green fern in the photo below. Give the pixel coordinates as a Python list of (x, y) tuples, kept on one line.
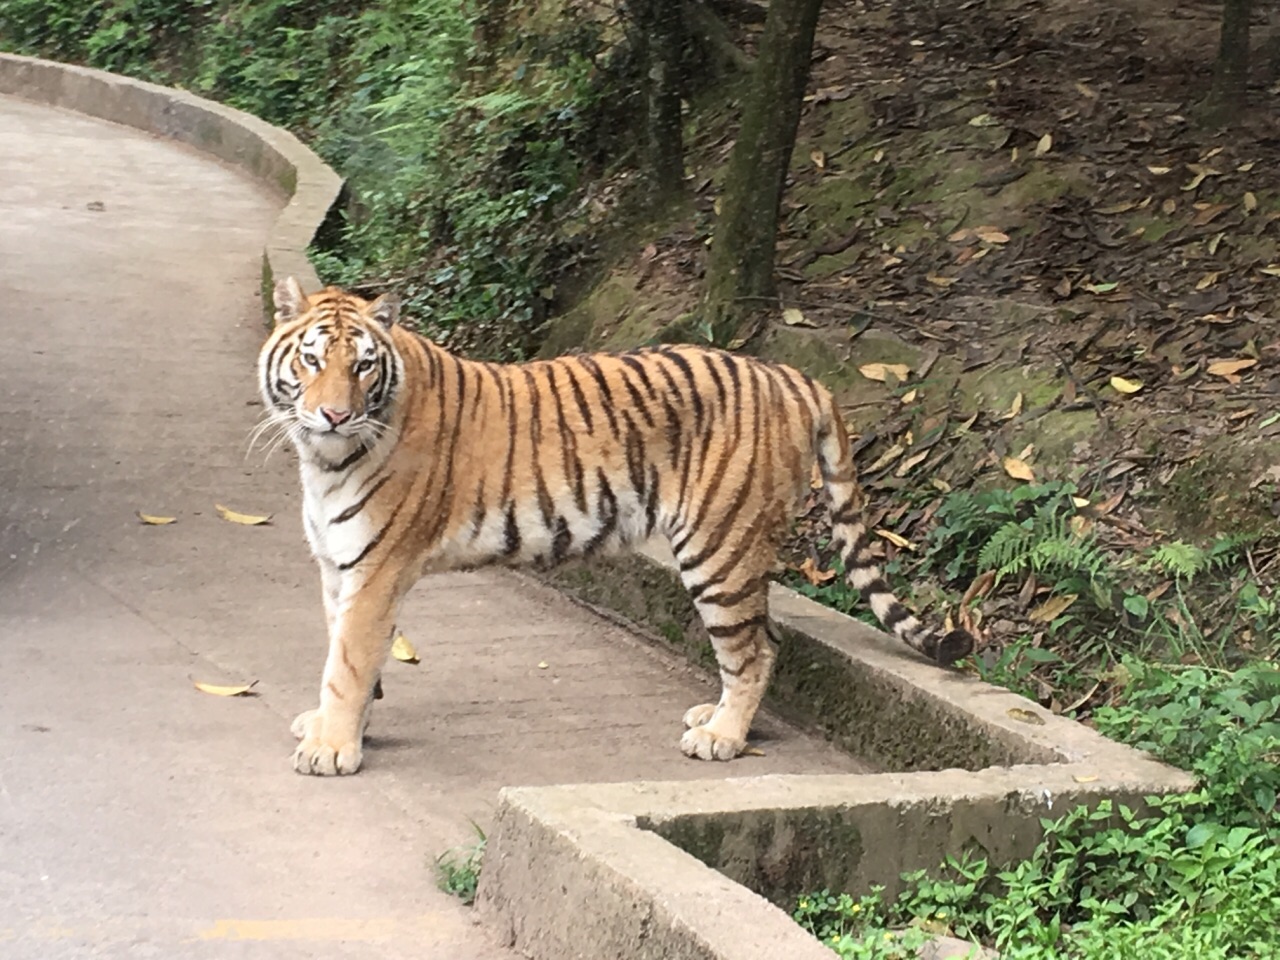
[(1008, 550), (1178, 559)]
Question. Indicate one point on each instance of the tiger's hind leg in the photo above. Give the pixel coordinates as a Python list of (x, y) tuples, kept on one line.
[(734, 608)]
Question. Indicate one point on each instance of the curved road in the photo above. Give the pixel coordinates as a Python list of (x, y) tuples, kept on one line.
[(138, 817)]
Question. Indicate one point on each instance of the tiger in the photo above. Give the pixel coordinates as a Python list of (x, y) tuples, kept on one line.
[(416, 461)]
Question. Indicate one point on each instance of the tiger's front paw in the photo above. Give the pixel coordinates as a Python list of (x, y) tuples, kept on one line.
[(700, 715), (704, 743), (315, 755), (301, 728)]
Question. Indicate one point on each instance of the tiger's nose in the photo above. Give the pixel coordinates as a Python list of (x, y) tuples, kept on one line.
[(335, 417)]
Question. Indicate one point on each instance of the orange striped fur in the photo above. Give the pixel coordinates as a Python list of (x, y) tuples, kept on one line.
[(415, 461)]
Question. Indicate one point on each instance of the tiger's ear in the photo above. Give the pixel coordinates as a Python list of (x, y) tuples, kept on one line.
[(290, 301), (386, 309)]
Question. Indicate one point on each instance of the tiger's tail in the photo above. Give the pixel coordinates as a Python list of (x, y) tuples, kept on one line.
[(853, 539)]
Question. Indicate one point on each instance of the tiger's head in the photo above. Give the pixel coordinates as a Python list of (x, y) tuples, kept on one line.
[(329, 369)]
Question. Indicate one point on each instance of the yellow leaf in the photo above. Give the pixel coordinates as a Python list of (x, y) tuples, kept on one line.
[(905, 466), (1016, 407), (881, 371), (218, 690), (1080, 502), (249, 520), (1086, 91), (1250, 201), (752, 752), (1115, 208), (1052, 609), (877, 156), (909, 396), (794, 317), (1160, 171), (1084, 777), (990, 234), (819, 159), (403, 650), (890, 455), (1195, 182), (1169, 206), (542, 664), (1245, 167), (1126, 386), (155, 521), (1044, 145), (1271, 271), (896, 539), (1208, 280), (809, 570), (940, 281), (982, 120), (940, 485), (1227, 368), (1018, 469), (1025, 716)]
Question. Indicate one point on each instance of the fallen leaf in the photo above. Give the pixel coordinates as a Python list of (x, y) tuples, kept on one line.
[(1079, 502), (248, 519), (989, 234), (982, 120), (1208, 280), (896, 539), (881, 371), (1160, 171), (1016, 407), (752, 752), (819, 159), (1245, 167), (1026, 716), (1169, 207), (1053, 608), (1087, 91), (1084, 777), (542, 664), (1115, 208), (1271, 271), (1100, 287), (1126, 386), (218, 690), (960, 235), (1250, 202), (890, 455), (155, 521), (794, 317), (1044, 145), (809, 570), (1018, 469), (1228, 368), (914, 460), (403, 650), (940, 281), (909, 396), (940, 485)]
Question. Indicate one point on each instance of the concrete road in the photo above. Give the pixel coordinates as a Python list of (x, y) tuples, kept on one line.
[(139, 817)]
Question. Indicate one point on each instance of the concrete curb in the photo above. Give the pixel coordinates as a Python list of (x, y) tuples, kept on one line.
[(267, 153), (700, 869)]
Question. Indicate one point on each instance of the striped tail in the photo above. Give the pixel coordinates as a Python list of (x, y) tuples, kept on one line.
[(853, 540)]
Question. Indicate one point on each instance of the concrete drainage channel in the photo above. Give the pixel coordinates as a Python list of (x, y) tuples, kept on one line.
[(702, 869)]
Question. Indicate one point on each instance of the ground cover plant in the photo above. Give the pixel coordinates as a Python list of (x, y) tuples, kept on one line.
[(1192, 876)]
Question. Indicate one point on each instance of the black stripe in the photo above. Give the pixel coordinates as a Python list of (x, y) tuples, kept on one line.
[(750, 589), (732, 629), (535, 445), (895, 615), (356, 507), (563, 541), (606, 511), (634, 362), (511, 533), (377, 539), (635, 454), (513, 424), (606, 394), (351, 458), (584, 409), (876, 586), (636, 399), (695, 393), (651, 507)]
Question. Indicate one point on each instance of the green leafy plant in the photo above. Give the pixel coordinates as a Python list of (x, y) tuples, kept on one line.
[(458, 870)]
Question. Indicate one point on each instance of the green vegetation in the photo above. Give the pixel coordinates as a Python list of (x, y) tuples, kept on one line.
[(462, 142), (1195, 876), (458, 870)]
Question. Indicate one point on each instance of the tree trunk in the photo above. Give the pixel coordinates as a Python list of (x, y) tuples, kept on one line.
[(662, 33), (1231, 73), (740, 268)]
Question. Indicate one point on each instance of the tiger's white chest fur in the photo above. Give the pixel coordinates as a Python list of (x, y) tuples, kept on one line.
[(336, 531)]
